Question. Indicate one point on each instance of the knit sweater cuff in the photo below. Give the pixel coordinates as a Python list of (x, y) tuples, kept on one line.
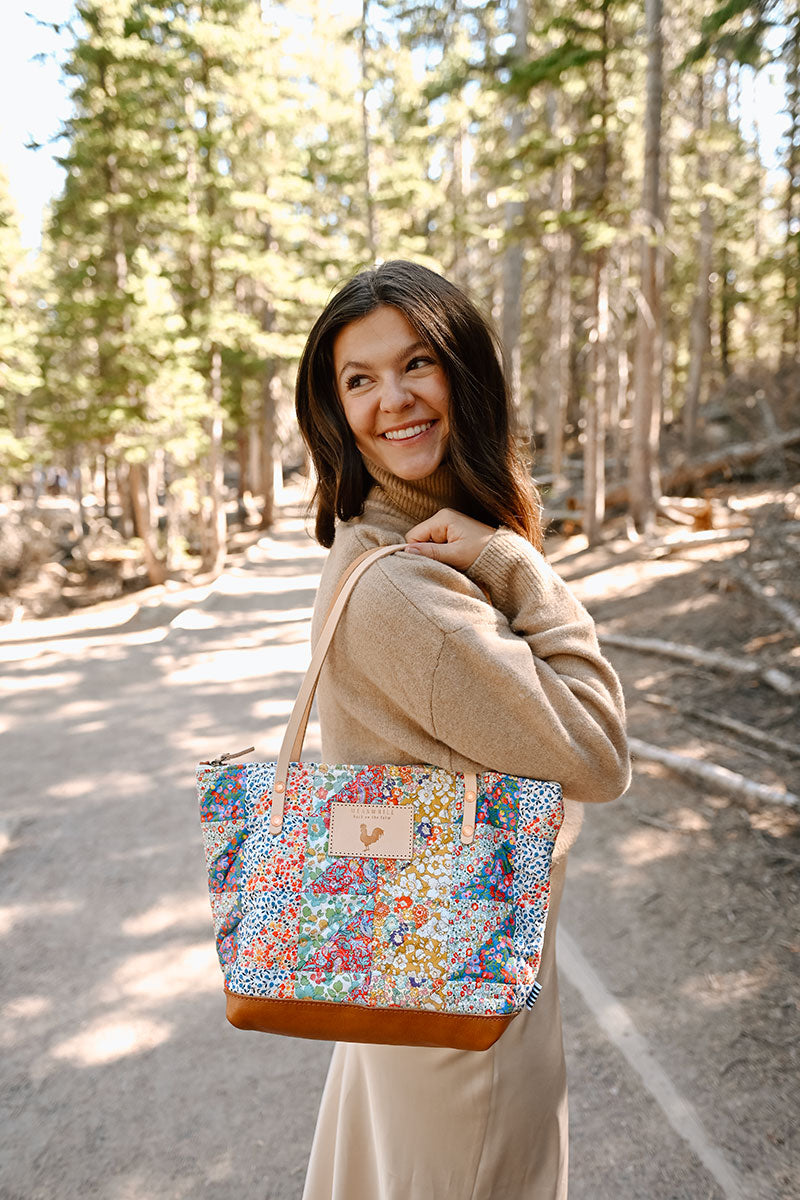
[(507, 566)]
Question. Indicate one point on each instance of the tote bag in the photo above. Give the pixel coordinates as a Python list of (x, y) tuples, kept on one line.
[(382, 903)]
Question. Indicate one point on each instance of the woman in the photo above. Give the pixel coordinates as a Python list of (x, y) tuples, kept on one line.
[(404, 407)]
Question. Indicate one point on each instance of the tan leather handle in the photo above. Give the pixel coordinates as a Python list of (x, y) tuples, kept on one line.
[(300, 734), (293, 738)]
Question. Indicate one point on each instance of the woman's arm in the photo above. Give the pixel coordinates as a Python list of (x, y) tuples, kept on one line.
[(519, 686), (576, 695)]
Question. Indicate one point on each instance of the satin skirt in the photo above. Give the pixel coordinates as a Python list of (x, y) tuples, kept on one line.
[(414, 1123)]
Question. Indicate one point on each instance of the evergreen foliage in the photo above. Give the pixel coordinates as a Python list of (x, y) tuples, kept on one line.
[(19, 374), (228, 162)]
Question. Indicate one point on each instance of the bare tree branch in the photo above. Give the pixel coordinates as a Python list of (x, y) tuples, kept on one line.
[(713, 659), (717, 778)]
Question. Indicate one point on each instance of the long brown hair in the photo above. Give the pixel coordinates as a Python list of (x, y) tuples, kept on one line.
[(482, 451)]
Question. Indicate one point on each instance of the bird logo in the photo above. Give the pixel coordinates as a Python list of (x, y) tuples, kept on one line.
[(368, 838)]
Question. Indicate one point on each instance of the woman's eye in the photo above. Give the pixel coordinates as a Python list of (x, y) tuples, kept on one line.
[(419, 361), (353, 381)]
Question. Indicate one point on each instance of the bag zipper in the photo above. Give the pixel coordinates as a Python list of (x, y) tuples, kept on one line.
[(224, 758)]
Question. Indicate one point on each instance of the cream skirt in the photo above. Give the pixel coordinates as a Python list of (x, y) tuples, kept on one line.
[(407, 1123)]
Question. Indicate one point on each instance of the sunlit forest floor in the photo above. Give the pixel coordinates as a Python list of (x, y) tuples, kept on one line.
[(688, 898)]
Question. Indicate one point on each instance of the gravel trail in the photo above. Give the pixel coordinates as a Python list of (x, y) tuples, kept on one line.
[(120, 1078)]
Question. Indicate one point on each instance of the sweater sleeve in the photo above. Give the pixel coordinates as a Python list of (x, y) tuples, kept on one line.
[(518, 686), (552, 707)]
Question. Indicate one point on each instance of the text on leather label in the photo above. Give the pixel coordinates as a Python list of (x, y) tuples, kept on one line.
[(371, 830)]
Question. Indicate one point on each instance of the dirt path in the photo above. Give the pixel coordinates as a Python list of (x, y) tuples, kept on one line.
[(685, 903), (121, 1079)]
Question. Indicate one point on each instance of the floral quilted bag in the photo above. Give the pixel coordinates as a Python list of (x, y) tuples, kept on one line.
[(395, 904)]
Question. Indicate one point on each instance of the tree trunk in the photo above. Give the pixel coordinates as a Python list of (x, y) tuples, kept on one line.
[(699, 330), (457, 194), (155, 485), (618, 355), (268, 450), (791, 271), (514, 252), (215, 531), (372, 240), (114, 252), (254, 457), (754, 315), (243, 485), (560, 321), (124, 496), (725, 310), (621, 405), (647, 368), (269, 437), (594, 446), (215, 525), (156, 572), (106, 489), (173, 518), (75, 490)]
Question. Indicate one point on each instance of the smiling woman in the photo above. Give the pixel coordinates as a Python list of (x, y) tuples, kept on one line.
[(403, 403)]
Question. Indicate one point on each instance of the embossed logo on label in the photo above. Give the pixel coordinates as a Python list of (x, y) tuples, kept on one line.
[(371, 830), (369, 838)]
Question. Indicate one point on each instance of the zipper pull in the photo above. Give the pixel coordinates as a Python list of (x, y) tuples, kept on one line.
[(223, 758)]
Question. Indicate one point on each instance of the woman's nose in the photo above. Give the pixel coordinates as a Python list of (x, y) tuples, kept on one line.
[(395, 395)]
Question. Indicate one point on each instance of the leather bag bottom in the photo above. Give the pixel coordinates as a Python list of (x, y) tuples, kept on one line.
[(332, 1021)]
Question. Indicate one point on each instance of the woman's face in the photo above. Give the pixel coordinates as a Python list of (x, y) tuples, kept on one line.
[(394, 393)]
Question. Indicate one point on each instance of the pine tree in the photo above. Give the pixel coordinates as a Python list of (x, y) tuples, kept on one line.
[(646, 414), (19, 374), (108, 353), (227, 166)]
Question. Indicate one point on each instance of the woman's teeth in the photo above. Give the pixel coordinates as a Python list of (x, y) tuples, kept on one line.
[(399, 435)]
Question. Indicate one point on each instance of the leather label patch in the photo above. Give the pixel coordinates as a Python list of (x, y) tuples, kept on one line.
[(371, 830)]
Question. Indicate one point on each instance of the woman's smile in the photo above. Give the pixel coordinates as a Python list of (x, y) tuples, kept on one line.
[(408, 433)]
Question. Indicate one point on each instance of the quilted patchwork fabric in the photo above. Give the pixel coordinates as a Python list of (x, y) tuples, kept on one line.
[(454, 929)]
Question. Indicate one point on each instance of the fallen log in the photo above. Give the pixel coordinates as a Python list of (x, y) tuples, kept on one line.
[(675, 512), (646, 819), (751, 732), (734, 742), (705, 537), (720, 779), (693, 507), (766, 595), (738, 455), (713, 659)]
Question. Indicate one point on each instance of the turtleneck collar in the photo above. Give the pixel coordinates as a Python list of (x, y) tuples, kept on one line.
[(417, 499)]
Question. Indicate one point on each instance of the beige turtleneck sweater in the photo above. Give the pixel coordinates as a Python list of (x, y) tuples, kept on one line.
[(423, 670)]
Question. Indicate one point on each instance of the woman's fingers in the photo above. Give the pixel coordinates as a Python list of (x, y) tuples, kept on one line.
[(443, 552), (449, 537), (436, 529)]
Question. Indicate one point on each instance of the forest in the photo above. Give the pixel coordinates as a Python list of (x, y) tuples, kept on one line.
[(617, 184), (592, 172)]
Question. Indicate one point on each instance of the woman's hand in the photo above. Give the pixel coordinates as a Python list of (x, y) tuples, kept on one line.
[(450, 537)]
